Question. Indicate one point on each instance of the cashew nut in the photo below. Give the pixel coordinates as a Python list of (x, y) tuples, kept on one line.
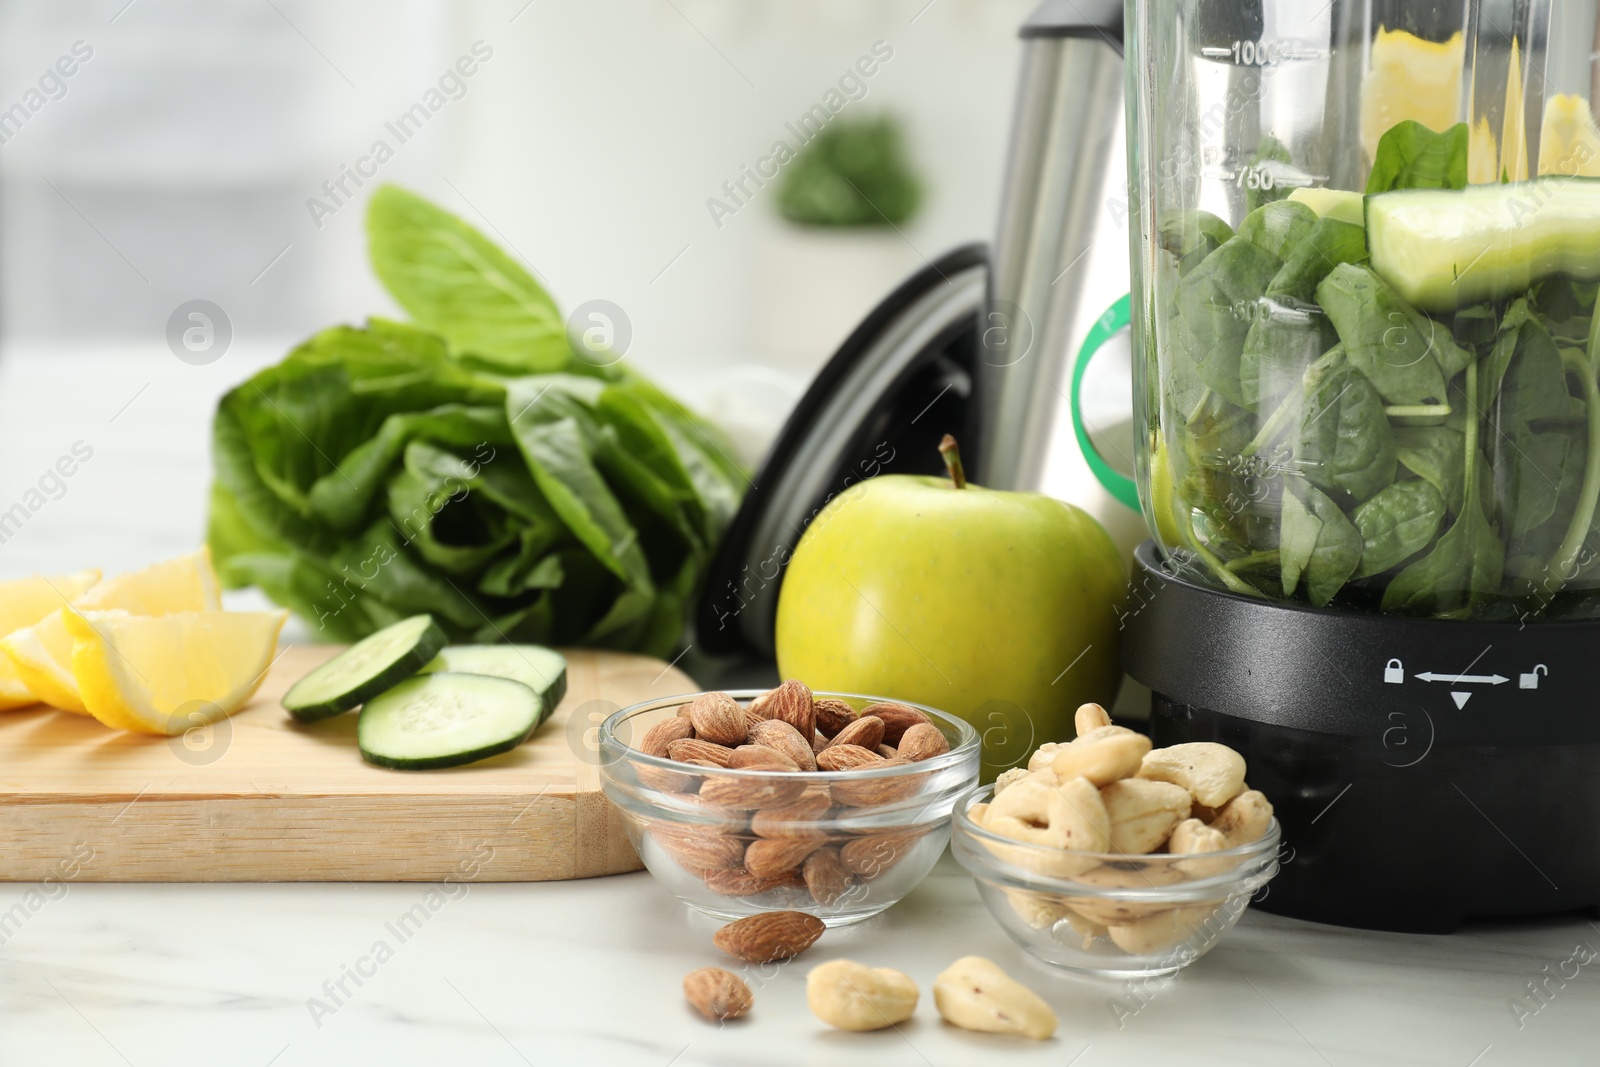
[(852, 996), (974, 994), (1143, 813), (1244, 819), (1036, 909), (1162, 931), (1069, 816), (977, 812), (1011, 777), (1043, 755), (1110, 910), (1213, 773), (1102, 758), (1088, 929), (1193, 837), (1089, 716), (1104, 731)]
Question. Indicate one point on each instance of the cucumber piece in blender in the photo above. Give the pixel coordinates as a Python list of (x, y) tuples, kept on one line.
[(445, 719), (540, 669), (365, 669), (1444, 249)]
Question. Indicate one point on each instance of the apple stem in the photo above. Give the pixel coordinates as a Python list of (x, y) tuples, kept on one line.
[(952, 461)]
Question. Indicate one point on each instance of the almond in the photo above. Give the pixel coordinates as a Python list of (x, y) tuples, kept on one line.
[(662, 734), (871, 856), (866, 732), (897, 719), (818, 741), (718, 718), (761, 706), (791, 702), (923, 741), (740, 883), (751, 721), (760, 758), (664, 781), (833, 715), (699, 851), (847, 758), (746, 793), (826, 876), (871, 791), (888, 752), (692, 748), (774, 733), (716, 993), (771, 857), (798, 819), (769, 936)]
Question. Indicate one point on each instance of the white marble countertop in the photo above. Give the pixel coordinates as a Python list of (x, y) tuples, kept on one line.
[(589, 973)]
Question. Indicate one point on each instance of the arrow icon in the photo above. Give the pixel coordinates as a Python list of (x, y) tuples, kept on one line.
[(1461, 699), (1462, 679)]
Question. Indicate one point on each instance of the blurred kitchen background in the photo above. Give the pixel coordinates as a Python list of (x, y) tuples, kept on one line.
[(177, 161)]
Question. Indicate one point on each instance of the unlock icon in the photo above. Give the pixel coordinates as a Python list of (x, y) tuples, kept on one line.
[(1394, 674), (1531, 679)]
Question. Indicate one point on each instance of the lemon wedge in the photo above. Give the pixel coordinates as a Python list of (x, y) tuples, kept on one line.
[(1569, 142), (1513, 124), (41, 654), (164, 674), (1410, 78), (1483, 154), (25, 602)]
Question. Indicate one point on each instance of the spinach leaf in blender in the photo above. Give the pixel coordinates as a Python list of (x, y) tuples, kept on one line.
[(1411, 156), (1344, 444), (1329, 244), (1465, 567), (1210, 299), (1396, 523), (1382, 336)]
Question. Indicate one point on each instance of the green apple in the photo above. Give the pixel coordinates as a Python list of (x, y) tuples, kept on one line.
[(1002, 608)]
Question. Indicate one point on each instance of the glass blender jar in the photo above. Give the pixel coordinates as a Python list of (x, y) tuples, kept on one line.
[(1367, 388)]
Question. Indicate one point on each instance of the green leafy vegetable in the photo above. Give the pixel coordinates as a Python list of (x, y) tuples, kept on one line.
[(1466, 565), (1279, 228), (1214, 300), (1437, 454), (1403, 352), (454, 282), (1193, 237), (1411, 156), (1396, 524), (469, 466), (1323, 545), (1345, 445), (856, 172), (1329, 244)]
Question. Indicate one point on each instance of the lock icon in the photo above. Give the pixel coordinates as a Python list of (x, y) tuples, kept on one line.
[(1531, 679), (1394, 674)]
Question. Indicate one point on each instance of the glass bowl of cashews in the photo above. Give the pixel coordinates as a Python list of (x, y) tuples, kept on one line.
[(1107, 857), (833, 804)]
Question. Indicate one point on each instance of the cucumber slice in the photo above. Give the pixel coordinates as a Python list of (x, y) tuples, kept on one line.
[(1444, 249), (1332, 204), (540, 669), (446, 719), (365, 669)]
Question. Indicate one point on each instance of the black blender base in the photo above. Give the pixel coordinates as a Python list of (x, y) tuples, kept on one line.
[(1399, 833)]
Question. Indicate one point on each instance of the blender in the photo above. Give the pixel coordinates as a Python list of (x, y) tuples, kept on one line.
[(1365, 258)]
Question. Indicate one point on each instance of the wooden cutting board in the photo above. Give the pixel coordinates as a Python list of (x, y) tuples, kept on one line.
[(260, 797)]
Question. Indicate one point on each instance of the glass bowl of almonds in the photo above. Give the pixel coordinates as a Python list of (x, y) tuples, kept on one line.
[(833, 804), (1105, 857)]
